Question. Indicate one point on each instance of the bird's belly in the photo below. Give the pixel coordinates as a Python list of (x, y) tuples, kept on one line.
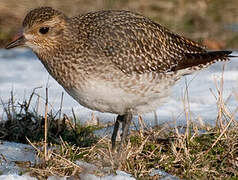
[(106, 96)]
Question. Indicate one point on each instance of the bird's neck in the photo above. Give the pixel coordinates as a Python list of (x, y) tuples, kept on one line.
[(66, 57), (61, 61)]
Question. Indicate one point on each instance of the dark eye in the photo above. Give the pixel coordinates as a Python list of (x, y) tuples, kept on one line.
[(44, 30)]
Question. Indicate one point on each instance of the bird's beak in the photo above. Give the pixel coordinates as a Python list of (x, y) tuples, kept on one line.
[(18, 40)]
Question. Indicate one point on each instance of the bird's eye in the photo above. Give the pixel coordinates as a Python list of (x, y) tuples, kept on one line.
[(44, 30)]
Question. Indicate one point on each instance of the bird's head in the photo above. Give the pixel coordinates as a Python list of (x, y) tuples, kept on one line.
[(42, 29)]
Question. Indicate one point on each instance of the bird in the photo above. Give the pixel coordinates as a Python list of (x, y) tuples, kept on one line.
[(114, 61)]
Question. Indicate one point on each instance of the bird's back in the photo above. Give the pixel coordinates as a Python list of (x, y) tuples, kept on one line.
[(136, 44)]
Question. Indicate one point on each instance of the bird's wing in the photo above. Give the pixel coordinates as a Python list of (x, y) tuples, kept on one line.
[(136, 44), (201, 60)]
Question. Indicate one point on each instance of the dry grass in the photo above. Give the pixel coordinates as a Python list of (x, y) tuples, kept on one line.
[(191, 152), (198, 156), (187, 157), (60, 161)]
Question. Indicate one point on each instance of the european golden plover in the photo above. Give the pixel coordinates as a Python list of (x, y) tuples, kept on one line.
[(113, 60)]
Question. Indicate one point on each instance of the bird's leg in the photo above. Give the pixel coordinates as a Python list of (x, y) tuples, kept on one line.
[(123, 123), (115, 130), (125, 128)]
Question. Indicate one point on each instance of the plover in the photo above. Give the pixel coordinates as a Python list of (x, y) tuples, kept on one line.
[(112, 61)]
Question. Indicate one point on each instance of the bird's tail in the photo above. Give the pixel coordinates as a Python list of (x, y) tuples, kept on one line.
[(198, 61)]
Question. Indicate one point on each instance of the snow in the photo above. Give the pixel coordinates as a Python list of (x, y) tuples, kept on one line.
[(83, 177), (121, 175), (165, 175), (21, 72), (14, 152), (16, 177)]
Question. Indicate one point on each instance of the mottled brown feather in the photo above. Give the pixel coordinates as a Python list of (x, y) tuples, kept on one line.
[(136, 44), (40, 15)]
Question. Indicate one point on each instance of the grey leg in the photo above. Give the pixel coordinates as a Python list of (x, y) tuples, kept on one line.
[(115, 130), (123, 123), (125, 128)]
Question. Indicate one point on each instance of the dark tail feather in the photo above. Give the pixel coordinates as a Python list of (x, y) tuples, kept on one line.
[(202, 60)]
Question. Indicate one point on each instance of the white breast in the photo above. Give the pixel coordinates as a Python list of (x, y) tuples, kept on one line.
[(139, 94)]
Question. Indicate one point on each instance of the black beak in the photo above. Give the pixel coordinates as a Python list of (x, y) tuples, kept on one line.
[(18, 40)]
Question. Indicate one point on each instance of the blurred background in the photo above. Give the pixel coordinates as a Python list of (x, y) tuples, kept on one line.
[(213, 23)]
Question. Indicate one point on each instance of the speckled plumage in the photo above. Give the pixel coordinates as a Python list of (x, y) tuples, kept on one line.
[(113, 61)]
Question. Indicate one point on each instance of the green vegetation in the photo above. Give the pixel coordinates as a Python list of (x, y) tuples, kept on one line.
[(23, 121)]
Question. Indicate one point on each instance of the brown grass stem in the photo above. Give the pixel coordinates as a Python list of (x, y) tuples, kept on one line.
[(46, 125)]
